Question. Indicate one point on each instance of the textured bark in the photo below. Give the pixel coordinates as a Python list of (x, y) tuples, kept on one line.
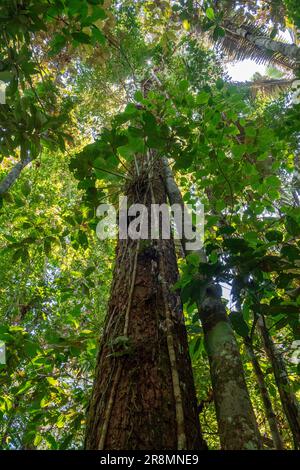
[(271, 417), (289, 402), (235, 415), (13, 175), (143, 396)]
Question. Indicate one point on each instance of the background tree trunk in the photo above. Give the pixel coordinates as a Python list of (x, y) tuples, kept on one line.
[(271, 417), (236, 420), (144, 396), (288, 399)]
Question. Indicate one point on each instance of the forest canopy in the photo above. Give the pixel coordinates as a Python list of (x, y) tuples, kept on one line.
[(147, 344)]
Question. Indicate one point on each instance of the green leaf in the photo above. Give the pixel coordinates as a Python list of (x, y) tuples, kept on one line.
[(274, 236), (6, 76), (82, 37), (37, 440), (193, 259), (202, 97), (250, 131), (183, 85), (251, 237), (26, 188), (50, 439), (24, 387), (61, 421), (218, 33), (226, 230), (138, 96), (98, 35), (31, 348), (292, 226), (17, 255), (236, 245), (98, 14), (57, 44), (291, 252), (210, 13), (52, 381), (238, 324), (219, 84), (272, 181)]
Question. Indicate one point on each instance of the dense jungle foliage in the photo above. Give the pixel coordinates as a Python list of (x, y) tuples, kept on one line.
[(92, 89)]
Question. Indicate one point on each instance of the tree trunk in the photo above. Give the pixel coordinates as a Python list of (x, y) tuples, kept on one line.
[(288, 399), (13, 175), (288, 50), (143, 396), (271, 417), (236, 420)]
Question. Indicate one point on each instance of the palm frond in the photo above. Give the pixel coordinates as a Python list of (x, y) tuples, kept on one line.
[(242, 41), (266, 86)]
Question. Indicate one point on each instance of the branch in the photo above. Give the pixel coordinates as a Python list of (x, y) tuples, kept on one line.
[(13, 175)]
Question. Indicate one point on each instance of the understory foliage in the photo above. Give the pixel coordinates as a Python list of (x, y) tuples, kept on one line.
[(73, 73)]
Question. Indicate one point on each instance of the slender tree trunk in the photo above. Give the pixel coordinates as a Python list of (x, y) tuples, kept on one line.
[(296, 181), (271, 417), (288, 399), (236, 420), (235, 415), (143, 395), (13, 175), (288, 50)]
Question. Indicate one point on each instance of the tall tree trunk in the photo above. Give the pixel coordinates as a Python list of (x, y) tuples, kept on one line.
[(288, 399), (143, 395), (271, 417), (236, 420)]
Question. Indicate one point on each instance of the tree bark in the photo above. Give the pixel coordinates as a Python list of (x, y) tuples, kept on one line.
[(289, 402), (13, 175), (236, 420), (271, 417), (144, 396)]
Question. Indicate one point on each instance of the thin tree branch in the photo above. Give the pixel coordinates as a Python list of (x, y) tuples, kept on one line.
[(13, 175)]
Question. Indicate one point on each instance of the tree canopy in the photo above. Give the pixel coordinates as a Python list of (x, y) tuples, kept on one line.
[(74, 119)]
